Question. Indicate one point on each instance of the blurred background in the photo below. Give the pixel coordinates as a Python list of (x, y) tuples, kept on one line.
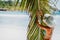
[(13, 26)]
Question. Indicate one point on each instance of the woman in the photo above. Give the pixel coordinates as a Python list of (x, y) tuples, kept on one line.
[(49, 28)]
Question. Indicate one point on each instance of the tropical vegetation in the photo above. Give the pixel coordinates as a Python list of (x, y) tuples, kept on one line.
[(37, 9)]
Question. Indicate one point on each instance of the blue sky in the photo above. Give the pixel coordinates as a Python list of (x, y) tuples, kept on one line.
[(58, 4)]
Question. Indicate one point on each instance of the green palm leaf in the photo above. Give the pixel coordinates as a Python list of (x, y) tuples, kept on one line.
[(32, 6), (35, 33)]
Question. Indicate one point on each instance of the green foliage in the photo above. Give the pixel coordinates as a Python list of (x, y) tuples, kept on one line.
[(5, 4), (35, 33), (32, 6)]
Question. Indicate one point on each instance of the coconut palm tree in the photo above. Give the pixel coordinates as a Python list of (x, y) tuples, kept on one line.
[(37, 28), (37, 10)]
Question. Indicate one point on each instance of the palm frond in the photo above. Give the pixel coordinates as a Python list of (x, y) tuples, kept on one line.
[(32, 6), (35, 33)]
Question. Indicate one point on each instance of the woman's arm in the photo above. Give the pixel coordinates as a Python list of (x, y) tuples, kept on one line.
[(47, 29)]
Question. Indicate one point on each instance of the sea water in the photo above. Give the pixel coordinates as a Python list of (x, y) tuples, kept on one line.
[(13, 25)]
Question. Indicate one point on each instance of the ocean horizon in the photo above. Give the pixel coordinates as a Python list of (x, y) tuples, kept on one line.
[(13, 25)]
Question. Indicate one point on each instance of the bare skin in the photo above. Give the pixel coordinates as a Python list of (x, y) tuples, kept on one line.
[(46, 28)]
